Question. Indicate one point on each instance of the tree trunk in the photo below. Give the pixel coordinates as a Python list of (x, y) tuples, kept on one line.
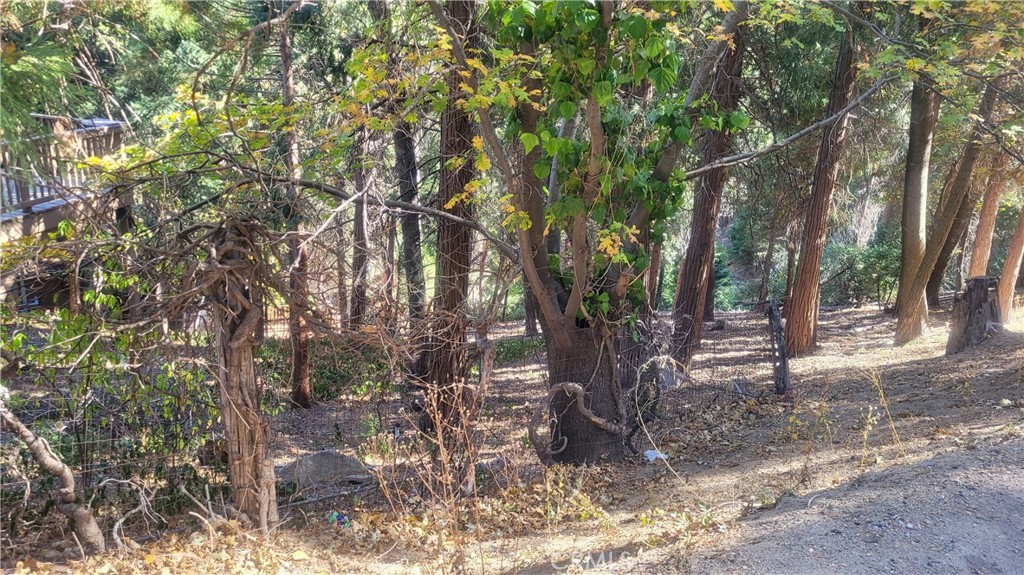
[(574, 436), (654, 275), (1020, 274), (709, 296), (406, 172), (957, 237), (530, 309), (360, 253), (412, 254), (697, 279), (924, 113), (974, 312), (298, 331), (554, 241), (763, 290), (447, 365), (792, 240), (913, 308), (1011, 270), (660, 289), (82, 521), (802, 312), (236, 313), (987, 219), (341, 252)]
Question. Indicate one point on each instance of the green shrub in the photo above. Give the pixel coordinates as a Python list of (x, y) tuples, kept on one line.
[(517, 349)]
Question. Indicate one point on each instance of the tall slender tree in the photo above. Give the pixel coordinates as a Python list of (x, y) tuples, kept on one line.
[(298, 331), (913, 308), (1011, 268), (802, 309), (987, 219), (924, 114), (697, 278)]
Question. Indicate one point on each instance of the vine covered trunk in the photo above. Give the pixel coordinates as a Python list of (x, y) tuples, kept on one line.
[(246, 431), (586, 410)]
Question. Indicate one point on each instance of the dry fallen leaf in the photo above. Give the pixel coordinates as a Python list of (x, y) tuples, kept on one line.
[(300, 555)]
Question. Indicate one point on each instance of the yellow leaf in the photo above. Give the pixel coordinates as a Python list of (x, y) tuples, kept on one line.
[(478, 143), (149, 559), (300, 555), (725, 5)]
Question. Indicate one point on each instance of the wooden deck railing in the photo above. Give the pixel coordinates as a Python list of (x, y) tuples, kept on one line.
[(53, 172)]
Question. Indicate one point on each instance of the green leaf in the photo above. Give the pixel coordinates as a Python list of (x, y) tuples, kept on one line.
[(585, 65), (587, 19), (663, 78), (635, 25), (603, 93), (738, 120), (653, 47), (529, 141), (542, 170), (567, 109), (640, 71), (682, 133)]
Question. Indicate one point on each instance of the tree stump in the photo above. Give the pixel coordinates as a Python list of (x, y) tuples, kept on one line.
[(975, 314)]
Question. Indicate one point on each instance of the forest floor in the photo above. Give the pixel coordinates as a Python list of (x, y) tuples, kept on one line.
[(886, 459)]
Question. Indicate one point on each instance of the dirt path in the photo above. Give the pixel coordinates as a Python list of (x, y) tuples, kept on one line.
[(960, 512)]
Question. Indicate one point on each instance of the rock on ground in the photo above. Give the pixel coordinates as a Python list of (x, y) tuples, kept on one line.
[(326, 466)]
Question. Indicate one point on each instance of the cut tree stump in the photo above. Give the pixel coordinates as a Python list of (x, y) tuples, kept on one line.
[(975, 314)]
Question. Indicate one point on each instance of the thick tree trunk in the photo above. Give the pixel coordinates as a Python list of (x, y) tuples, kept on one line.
[(1012, 270), (575, 436), (974, 313), (913, 308), (924, 113), (802, 312), (298, 331), (697, 280), (246, 430), (360, 252), (987, 220)]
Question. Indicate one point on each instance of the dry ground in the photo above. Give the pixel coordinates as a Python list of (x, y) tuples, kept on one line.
[(887, 459)]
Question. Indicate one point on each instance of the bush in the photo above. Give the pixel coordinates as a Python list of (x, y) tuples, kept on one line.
[(855, 275), (335, 369)]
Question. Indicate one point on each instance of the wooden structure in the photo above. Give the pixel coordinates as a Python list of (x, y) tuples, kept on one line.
[(50, 183), (36, 191), (975, 314)]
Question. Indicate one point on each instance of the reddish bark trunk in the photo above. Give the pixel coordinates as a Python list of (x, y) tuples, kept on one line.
[(697, 278), (802, 311)]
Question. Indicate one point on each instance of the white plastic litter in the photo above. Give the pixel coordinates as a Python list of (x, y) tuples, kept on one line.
[(653, 454)]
